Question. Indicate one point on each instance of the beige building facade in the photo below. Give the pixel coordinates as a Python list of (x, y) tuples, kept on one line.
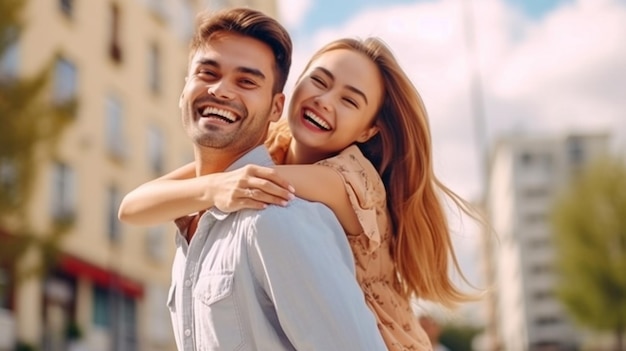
[(526, 175), (124, 62)]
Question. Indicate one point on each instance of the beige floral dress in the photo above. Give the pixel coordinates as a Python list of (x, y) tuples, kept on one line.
[(372, 251)]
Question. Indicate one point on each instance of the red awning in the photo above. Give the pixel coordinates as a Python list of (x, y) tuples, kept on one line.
[(101, 276)]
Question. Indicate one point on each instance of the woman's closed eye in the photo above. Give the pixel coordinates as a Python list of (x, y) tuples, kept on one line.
[(351, 102), (319, 81)]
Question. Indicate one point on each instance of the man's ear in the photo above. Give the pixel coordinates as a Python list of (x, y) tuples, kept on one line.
[(182, 95), (368, 134), (278, 103)]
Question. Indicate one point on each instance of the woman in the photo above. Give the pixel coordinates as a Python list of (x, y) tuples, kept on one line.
[(358, 140)]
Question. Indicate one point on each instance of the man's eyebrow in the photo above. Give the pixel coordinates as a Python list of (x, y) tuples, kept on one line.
[(242, 69), (349, 87), (253, 71), (207, 62)]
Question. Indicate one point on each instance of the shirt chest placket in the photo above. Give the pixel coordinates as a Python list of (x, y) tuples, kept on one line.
[(191, 272)]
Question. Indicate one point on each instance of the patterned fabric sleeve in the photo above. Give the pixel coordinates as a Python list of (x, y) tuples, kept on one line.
[(365, 190)]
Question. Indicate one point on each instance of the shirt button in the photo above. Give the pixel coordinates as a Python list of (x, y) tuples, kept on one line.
[(187, 332), (187, 283)]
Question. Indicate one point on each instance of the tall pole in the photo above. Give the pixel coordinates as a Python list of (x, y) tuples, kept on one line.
[(477, 108)]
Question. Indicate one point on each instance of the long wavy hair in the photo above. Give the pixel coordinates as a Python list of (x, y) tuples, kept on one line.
[(402, 153)]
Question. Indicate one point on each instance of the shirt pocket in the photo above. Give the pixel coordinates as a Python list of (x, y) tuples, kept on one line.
[(217, 313)]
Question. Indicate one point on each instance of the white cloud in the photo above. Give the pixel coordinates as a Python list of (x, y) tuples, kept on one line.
[(563, 73), (291, 13)]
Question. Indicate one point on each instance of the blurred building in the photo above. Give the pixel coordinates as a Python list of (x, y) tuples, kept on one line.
[(525, 175), (124, 62)]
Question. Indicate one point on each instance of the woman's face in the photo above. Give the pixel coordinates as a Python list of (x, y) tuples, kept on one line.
[(335, 100)]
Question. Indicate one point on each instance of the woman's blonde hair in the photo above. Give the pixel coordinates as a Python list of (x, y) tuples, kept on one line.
[(402, 154)]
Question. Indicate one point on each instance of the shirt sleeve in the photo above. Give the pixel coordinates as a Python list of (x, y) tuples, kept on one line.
[(301, 257)]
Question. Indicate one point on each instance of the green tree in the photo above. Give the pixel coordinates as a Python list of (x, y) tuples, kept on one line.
[(30, 125), (458, 337), (590, 241)]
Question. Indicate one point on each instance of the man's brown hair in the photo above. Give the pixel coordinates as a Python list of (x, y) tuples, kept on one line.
[(249, 23)]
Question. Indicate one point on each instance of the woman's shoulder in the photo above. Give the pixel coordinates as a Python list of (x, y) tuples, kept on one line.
[(352, 160), (359, 175), (366, 192), (278, 140)]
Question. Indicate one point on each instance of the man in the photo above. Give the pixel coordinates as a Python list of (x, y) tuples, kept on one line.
[(277, 279), (433, 330)]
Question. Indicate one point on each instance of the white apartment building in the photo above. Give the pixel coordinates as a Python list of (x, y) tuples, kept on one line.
[(526, 172), (124, 62)]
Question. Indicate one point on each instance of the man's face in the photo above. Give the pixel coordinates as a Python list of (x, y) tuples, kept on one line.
[(227, 102)]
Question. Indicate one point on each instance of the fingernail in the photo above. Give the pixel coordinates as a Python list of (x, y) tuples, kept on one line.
[(291, 189), (291, 196), (283, 203)]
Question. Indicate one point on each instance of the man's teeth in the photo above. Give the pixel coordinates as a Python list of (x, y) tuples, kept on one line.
[(317, 120), (222, 113)]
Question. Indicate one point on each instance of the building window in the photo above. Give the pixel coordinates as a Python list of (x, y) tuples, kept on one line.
[(535, 193), (155, 243), (186, 20), (539, 269), (113, 223), (63, 193), (115, 49), (216, 4), (64, 81), (157, 325), (8, 180), (547, 163), (154, 68), (158, 7), (114, 127), (127, 324), (117, 313), (575, 151), (538, 243), (9, 62), (101, 307), (547, 320), (155, 149), (67, 7), (543, 295), (526, 158), (535, 218), (6, 287)]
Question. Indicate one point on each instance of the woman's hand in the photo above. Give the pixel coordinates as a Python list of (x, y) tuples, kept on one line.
[(251, 186)]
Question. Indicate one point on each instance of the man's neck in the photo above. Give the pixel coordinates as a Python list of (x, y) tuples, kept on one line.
[(214, 160)]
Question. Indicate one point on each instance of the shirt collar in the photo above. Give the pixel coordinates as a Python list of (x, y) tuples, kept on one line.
[(258, 156)]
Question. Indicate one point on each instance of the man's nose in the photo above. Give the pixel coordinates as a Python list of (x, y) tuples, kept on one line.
[(220, 90)]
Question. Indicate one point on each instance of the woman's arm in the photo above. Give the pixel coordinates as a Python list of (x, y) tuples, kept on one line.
[(180, 193), (322, 184)]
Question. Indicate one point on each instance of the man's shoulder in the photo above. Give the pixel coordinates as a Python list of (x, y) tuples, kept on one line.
[(293, 209), (298, 215)]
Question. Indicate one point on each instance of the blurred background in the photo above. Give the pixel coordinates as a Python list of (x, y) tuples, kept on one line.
[(527, 105)]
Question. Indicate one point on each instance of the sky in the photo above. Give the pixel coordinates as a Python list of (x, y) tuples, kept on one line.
[(545, 67)]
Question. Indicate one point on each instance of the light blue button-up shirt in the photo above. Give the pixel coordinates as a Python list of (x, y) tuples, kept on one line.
[(278, 279)]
